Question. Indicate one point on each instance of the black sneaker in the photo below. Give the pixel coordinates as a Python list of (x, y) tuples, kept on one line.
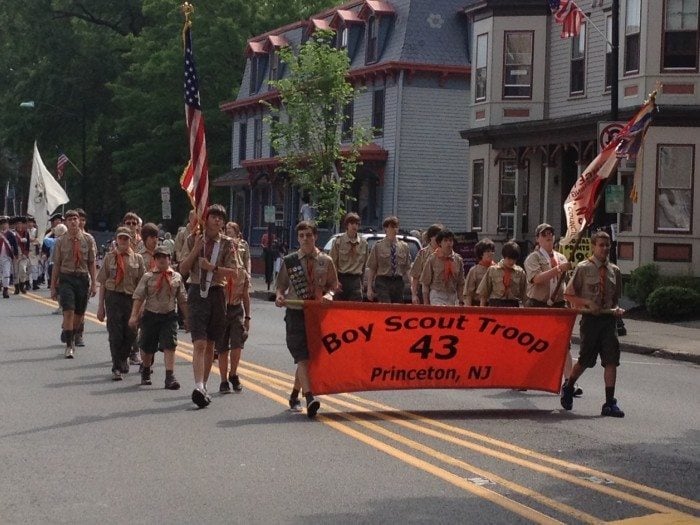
[(611, 409), (116, 375), (200, 398), (171, 383), (235, 383), (294, 404), (146, 376), (578, 392), (567, 397), (312, 407), (224, 388)]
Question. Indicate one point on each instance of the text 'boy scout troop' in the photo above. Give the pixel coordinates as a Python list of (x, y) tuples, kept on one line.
[(201, 281)]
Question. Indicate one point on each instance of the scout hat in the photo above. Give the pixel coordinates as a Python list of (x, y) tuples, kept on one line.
[(162, 251), (542, 228), (123, 232)]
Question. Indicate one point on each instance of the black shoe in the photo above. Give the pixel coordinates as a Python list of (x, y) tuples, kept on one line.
[(224, 388), (611, 409), (312, 407), (79, 340), (23, 287), (5, 293), (146, 376), (567, 397), (116, 375), (294, 404), (578, 391), (35, 285), (17, 289), (171, 383), (200, 398), (235, 382)]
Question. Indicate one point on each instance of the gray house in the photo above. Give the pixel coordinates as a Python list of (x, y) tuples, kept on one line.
[(411, 60), (538, 112)]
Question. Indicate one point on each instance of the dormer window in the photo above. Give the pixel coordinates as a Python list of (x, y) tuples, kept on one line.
[(258, 64), (343, 36), (274, 65), (254, 68), (372, 39)]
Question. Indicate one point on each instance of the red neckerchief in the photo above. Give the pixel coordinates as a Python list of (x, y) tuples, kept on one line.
[(164, 277)]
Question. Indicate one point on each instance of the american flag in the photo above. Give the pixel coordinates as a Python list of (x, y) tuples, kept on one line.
[(569, 15), (195, 178), (61, 165)]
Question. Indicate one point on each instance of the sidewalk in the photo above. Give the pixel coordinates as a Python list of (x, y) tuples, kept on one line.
[(672, 341)]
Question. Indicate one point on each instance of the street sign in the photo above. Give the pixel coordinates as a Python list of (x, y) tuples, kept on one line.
[(167, 212), (607, 131), (269, 214), (165, 194)]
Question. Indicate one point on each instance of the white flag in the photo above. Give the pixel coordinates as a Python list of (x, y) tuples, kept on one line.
[(45, 194)]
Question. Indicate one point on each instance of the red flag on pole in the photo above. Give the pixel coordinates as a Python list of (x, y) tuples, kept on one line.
[(61, 165), (569, 15), (579, 206), (195, 178)]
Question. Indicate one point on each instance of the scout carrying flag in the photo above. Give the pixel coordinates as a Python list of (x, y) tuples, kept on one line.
[(195, 178), (580, 205), (45, 194)]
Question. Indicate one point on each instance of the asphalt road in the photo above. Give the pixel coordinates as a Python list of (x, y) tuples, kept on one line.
[(76, 447)]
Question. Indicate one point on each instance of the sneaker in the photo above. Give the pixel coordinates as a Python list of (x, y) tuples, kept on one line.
[(79, 340), (235, 383), (294, 404), (567, 397), (134, 358), (5, 293), (171, 383), (312, 407), (611, 409), (116, 375), (57, 311), (578, 392), (146, 376), (68, 354), (200, 398), (224, 388)]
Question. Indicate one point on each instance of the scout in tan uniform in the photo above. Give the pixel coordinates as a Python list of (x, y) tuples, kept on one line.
[(596, 285), (73, 277), (483, 251), (210, 261), (442, 278), (180, 253), (149, 236), (504, 284), (307, 274), (349, 253), (236, 331), (157, 293), (389, 262), (419, 263), (243, 248), (121, 272), (82, 220), (544, 268)]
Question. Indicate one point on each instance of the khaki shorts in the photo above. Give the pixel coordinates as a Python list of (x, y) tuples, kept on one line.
[(158, 331), (207, 316), (73, 292), (598, 337), (235, 334)]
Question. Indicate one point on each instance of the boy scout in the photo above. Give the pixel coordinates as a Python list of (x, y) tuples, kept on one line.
[(73, 278), (419, 263), (349, 253), (211, 259), (82, 222), (119, 275), (483, 251), (388, 263), (442, 278), (157, 293), (596, 285), (504, 284), (307, 274)]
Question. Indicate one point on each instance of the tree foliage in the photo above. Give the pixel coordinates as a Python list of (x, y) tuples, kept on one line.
[(116, 68), (306, 129)]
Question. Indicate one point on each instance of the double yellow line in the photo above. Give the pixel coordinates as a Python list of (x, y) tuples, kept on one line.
[(358, 424)]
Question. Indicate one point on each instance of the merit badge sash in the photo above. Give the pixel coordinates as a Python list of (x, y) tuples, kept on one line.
[(297, 276)]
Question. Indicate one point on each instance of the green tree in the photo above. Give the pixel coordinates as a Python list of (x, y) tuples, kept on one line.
[(313, 96)]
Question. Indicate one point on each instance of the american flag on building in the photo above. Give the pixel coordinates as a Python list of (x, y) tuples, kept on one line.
[(569, 15), (195, 178), (61, 165)]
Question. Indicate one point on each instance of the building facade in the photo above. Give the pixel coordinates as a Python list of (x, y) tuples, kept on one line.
[(410, 61), (538, 109)]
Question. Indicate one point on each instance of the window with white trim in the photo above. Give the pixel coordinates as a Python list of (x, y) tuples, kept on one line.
[(577, 82), (633, 23), (517, 64), (482, 46), (608, 53), (507, 194), (674, 188), (477, 195), (680, 45)]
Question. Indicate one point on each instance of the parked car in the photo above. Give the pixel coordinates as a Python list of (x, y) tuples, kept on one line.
[(372, 238)]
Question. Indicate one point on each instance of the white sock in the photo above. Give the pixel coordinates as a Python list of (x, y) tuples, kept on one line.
[(199, 386)]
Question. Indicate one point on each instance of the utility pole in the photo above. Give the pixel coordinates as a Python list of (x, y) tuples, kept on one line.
[(615, 65)]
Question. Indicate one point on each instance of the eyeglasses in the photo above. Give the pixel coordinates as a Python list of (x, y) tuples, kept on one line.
[(131, 223)]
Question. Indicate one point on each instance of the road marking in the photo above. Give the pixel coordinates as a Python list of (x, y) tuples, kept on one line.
[(658, 519)]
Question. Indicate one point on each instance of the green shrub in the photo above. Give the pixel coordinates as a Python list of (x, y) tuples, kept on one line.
[(642, 282), (684, 281), (673, 303)]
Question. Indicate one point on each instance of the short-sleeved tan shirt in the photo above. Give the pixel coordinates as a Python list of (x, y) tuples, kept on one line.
[(181, 250), (134, 269), (536, 263), (350, 255), (227, 258), (379, 260), (474, 277), (64, 257), (236, 287), (148, 260), (325, 277), (433, 275), (419, 263), (492, 287), (160, 299), (585, 282)]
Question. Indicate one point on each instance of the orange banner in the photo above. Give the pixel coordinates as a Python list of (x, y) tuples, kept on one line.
[(371, 346)]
